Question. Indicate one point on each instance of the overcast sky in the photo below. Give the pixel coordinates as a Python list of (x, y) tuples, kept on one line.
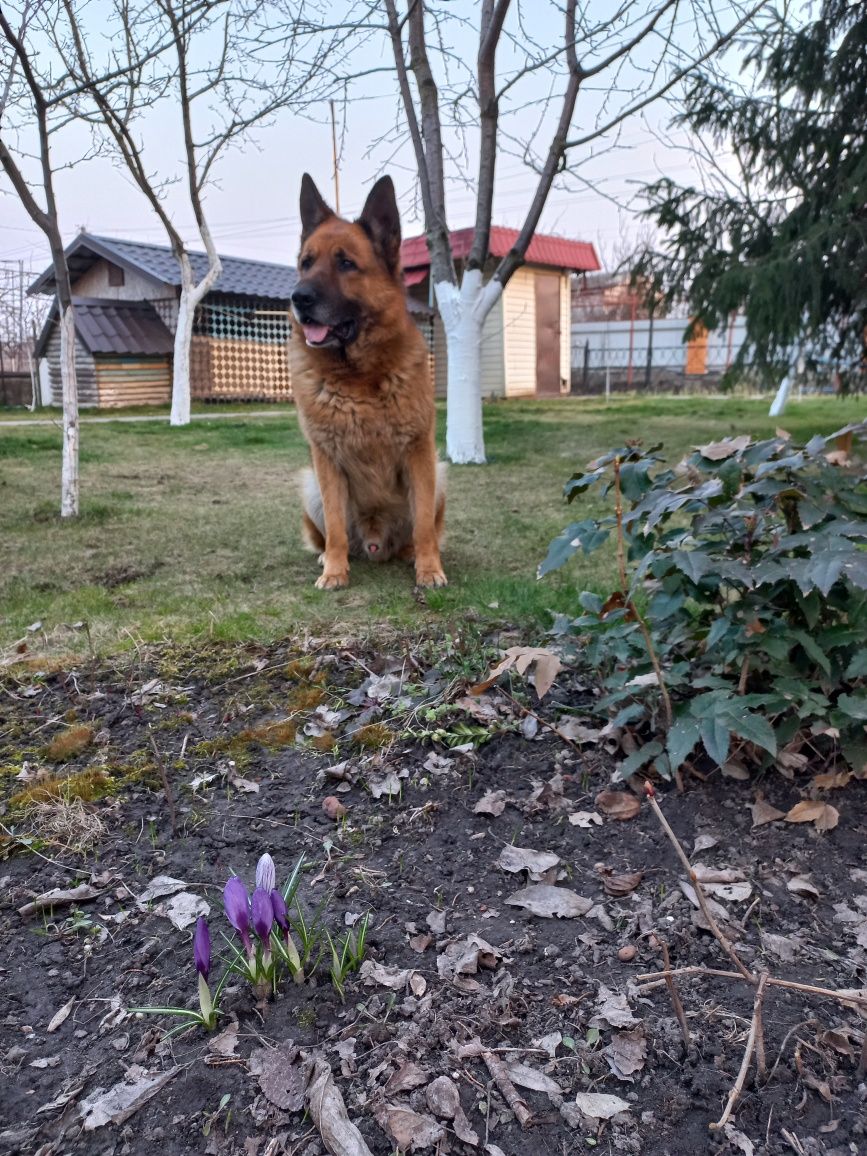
[(252, 202)]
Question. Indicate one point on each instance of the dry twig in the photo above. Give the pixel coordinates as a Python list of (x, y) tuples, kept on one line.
[(705, 908), (675, 996), (508, 1090), (652, 979), (755, 1040), (752, 1038)]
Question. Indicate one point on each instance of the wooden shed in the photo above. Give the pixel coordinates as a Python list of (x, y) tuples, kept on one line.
[(526, 336), (122, 353), (126, 294)]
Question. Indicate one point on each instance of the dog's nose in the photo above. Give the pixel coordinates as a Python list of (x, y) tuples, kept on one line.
[(303, 297)]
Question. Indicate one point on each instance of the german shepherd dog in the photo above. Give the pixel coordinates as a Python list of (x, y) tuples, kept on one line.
[(365, 399)]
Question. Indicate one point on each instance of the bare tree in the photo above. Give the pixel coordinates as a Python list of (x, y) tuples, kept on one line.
[(639, 51), (30, 94), (268, 58)]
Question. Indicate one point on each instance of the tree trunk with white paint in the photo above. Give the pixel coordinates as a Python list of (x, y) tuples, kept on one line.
[(463, 311), (69, 380), (191, 296)]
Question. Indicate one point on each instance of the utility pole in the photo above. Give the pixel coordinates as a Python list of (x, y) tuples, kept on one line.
[(334, 160)]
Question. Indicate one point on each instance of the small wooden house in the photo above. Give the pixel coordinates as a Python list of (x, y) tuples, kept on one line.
[(526, 336), (125, 295)]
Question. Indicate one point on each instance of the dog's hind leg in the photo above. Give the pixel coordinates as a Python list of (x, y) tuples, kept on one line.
[(440, 512), (312, 519)]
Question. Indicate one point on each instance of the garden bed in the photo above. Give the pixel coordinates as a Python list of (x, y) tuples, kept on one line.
[(460, 983)]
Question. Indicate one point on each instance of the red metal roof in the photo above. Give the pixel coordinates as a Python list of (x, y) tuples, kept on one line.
[(543, 249)]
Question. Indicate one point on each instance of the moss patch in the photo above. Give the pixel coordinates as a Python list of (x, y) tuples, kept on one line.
[(275, 734), (305, 698), (69, 743), (374, 736)]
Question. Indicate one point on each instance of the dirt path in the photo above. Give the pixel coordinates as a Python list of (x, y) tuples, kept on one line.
[(162, 417)]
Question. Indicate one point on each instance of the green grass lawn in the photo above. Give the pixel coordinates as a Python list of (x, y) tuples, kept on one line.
[(195, 532)]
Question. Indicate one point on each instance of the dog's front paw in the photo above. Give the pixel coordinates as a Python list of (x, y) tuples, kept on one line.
[(430, 576), (332, 580)]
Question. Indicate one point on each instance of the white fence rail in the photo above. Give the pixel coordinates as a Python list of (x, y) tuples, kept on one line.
[(601, 345)]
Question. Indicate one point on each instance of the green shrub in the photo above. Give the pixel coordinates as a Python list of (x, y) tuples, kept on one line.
[(741, 621)]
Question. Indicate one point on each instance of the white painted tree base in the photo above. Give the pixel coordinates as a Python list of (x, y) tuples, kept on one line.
[(69, 465), (463, 311)]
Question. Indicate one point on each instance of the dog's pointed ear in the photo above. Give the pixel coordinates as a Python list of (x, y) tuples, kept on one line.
[(381, 221), (313, 209)]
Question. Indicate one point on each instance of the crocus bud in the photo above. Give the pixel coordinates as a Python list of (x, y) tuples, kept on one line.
[(237, 905), (202, 947), (266, 876), (281, 915), (263, 914)]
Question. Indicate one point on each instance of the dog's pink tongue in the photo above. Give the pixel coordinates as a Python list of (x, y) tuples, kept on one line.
[(315, 334)]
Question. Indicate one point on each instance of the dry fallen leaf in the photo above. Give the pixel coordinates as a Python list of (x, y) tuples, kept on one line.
[(599, 1106), (225, 1042), (785, 949), (619, 885), (59, 1016), (585, 819), (801, 885), (394, 978), (408, 1076), (465, 956), (832, 780), (763, 812), (491, 803), (618, 804), (626, 1053), (526, 1076), (612, 1010), (704, 843), (547, 901), (734, 769), (444, 1101), (123, 1099), (815, 811), (536, 863), (409, 1130), (282, 1075), (718, 451), (339, 1135), (183, 910), (548, 666)]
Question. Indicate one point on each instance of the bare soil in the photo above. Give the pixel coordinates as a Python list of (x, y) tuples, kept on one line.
[(557, 996)]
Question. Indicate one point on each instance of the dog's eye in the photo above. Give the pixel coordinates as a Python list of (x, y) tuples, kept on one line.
[(345, 264), (306, 263)]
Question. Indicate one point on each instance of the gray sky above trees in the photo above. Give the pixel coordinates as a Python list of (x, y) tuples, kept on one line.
[(252, 202)]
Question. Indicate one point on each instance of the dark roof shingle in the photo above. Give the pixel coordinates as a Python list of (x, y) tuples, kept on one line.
[(239, 276), (132, 328)]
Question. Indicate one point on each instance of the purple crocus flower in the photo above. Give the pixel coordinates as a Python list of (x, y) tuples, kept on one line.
[(281, 914), (263, 914), (266, 875), (202, 947), (237, 904)]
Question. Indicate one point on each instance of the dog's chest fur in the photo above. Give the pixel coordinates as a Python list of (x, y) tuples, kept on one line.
[(357, 424)]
